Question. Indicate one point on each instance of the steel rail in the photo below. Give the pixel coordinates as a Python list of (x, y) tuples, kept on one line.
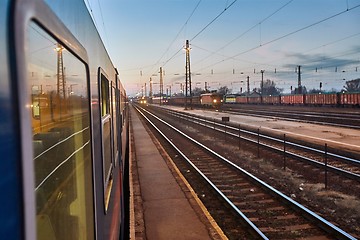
[(336, 170), (326, 225), (227, 200), (328, 123)]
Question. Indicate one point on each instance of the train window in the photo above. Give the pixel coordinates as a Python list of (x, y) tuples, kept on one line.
[(58, 92), (114, 104), (107, 136), (105, 99)]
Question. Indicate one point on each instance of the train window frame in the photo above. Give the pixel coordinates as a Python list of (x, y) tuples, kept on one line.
[(115, 123), (23, 13), (106, 119)]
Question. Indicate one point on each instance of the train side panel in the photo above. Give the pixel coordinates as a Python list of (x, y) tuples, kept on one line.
[(293, 99), (13, 225), (349, 99), (272, 100), (321, 99), (73, 117), (254, 99), (211, 100), (242, 99)]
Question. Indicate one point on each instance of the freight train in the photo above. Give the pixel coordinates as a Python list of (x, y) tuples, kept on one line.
[(64, 125), (319, 99), (206, 100)]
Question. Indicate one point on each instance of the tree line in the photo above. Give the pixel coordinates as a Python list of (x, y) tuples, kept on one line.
[(268, 87)]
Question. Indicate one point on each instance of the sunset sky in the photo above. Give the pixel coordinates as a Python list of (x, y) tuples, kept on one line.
[(231, 40)]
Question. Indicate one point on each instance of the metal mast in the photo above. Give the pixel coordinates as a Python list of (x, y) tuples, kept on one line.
[(145, 89), (61, 88), (161, 85), (187, 76), (248, 84), (299, 80), (151, 89)]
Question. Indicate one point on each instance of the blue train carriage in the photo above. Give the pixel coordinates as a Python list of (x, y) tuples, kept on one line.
[(63, 137)]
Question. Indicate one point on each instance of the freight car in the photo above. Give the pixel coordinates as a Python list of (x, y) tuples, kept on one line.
[(241, 99), (271, 100), (349, 99), (63, 133), (292, 99), (321, 99), (180, 101), (212, 100), (342, 99)]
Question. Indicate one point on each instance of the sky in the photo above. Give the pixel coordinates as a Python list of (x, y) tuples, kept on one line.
[(230, 40)]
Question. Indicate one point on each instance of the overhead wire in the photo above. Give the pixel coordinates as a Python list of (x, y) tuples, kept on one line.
[(176, 37), (287, 35), (203, 29), (103, 23), (248, 30), (298, 30), (212, 21), (91, 13)]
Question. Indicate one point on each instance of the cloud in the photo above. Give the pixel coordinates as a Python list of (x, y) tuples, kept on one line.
[(313, 61)]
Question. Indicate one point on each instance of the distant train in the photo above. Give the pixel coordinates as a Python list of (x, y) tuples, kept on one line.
[(64, 125), (207, 100), (319, 99)]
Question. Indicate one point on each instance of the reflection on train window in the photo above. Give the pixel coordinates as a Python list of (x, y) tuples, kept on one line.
[(61, 139), (105, 100), (106, 138), (114, 104)]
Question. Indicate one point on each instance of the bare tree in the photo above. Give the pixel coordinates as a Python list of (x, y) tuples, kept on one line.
[(223, 90), (269, 88), (352, 86), (197, 91)]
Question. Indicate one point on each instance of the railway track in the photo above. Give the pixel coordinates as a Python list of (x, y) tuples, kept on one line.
[(265, 213), (339, 119), (343, 163)]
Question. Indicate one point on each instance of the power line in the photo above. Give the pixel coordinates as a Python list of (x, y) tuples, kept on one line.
[(226, 8), (251, 28), (91, 13), (192, 13), (288, 34), (203, 29), (299, 30), (177, 35), (102, 19)]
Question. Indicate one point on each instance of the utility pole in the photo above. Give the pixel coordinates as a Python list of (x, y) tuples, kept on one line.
[(145, 89), (161, 85), (151, 90), (187, 76), (299, 80), (60, 72), (248, 84), (262, 81)]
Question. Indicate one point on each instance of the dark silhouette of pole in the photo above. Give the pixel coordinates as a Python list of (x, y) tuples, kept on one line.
[(161, 85), (187, 76), (248, 84), (262, 81), (299, 80), (151, 90)]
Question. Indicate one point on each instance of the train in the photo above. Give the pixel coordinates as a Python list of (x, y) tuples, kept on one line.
[(64, 126), (206, 100), (343, 99)]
